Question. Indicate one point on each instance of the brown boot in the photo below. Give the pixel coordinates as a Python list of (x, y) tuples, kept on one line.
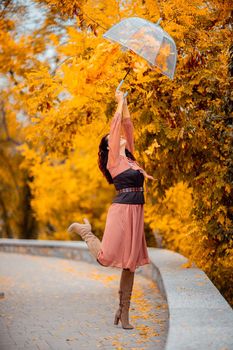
[(84, 230), (125, 291)]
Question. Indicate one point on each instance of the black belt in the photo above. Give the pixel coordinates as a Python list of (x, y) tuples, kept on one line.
[(130, 189)]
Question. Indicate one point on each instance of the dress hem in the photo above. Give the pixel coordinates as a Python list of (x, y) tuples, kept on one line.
[(120, 265)]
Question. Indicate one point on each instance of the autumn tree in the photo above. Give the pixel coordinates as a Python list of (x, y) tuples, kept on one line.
[(17, 219)]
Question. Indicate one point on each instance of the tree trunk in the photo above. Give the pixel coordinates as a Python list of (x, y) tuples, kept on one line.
[(6, 227)]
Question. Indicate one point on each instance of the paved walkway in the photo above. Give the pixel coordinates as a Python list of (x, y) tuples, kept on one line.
[(59, 304)]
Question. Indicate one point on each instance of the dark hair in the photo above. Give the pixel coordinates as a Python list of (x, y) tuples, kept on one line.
[(103, 158)]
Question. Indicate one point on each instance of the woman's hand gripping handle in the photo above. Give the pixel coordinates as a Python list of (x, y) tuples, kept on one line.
[(119, 86)]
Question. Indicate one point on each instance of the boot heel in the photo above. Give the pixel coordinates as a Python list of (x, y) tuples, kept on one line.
[(117, 317), (116, 320)]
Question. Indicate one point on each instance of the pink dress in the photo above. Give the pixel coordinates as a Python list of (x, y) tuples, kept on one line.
[(123, 244)]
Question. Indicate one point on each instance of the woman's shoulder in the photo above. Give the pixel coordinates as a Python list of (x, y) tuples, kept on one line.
[(121, 164), (115, 165)]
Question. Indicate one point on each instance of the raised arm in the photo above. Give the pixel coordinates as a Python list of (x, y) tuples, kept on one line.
[(128, 127), (115, 133)]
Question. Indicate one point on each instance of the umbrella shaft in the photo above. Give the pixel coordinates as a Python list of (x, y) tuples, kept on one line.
[(126, 73)]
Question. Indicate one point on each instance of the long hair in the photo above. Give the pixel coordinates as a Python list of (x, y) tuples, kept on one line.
[(103, 158)]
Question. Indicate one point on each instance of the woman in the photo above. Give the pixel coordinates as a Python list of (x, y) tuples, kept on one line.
[(123, 244)]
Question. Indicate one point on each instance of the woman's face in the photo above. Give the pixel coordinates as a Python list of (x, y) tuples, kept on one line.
[(122, 140)]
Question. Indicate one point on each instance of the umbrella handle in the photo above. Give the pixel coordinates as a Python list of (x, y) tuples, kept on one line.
[(119, 86)]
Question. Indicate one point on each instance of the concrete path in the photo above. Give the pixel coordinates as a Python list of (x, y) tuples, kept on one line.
[(58, 304)]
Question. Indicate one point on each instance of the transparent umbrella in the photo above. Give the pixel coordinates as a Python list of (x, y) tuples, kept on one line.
[(148, 40)]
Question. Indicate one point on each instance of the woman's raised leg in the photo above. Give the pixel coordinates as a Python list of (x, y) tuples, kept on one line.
[(84, 230)]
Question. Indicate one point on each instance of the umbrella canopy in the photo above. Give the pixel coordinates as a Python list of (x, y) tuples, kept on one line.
[(148, 40)]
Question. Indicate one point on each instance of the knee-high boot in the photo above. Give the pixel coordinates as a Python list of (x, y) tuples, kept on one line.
[(125, 292), (84, 230)]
